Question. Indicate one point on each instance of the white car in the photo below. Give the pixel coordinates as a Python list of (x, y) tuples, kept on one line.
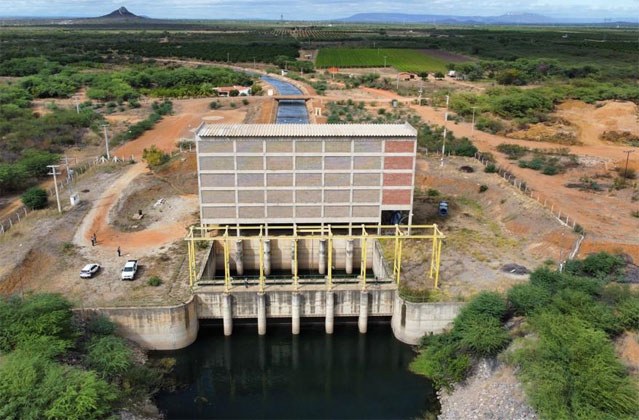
[(129, 270), (89, 270)]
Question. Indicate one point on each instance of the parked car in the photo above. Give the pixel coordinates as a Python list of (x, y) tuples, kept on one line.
[(129, 270), (89, 270)]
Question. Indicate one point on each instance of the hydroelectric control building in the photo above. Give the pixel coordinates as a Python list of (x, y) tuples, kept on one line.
[(306, 174)]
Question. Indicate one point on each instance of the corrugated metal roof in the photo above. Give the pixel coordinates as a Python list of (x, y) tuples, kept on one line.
[(306, 130)]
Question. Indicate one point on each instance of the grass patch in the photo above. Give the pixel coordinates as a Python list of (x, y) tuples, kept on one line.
[(402, 59)]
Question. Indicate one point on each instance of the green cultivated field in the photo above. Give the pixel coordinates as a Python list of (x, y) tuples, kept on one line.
[(401, 59)]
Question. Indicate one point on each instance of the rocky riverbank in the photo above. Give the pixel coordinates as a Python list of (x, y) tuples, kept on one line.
[(492, 391)]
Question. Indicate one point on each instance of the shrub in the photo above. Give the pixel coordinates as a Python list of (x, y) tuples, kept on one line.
[(155, 157), (433, 192), (583, 306), (42, 315), (215, 105), (101, 325), (483, 335), (109, 355), (490, 168), (550, 170), (440, 361), (628, 313), (601, 265), (524, 299), (483, 188), (513, 151), (34, 387), (488, 304), (35, 198), (245, 101), (154, 281), (571, 371)]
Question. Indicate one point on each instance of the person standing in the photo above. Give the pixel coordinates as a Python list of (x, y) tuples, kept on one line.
[(119, 254)]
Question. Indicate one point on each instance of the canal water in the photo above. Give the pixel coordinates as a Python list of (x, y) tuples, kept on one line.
[(346, 375), (288, 112)]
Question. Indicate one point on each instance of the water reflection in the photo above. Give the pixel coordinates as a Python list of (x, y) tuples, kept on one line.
[(314, 375)]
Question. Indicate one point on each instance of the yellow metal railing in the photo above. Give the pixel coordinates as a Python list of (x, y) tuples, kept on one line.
[(363, 233)]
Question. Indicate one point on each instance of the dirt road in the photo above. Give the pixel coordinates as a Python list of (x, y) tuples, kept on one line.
[(188, 115)]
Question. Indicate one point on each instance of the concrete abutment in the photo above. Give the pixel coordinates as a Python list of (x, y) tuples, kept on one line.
[(175, 327)]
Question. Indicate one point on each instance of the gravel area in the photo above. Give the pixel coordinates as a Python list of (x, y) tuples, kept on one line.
[(491, 392)]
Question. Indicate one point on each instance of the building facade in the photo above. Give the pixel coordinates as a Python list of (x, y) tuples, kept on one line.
[(305, 174)]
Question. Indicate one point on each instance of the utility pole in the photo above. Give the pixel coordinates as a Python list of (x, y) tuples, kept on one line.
[(254, 66), (228, 57), (445, 132), (384, 61), (625, 171), (106, 140), (54, 172), (77, 104)]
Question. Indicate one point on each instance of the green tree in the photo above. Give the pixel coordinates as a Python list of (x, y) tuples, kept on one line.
[(35, 198), (155, 157), (109, 355)]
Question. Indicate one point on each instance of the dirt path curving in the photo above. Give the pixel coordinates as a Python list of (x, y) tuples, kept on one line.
[(188, 116)]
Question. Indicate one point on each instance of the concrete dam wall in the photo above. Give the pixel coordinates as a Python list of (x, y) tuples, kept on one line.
[(175, 327)]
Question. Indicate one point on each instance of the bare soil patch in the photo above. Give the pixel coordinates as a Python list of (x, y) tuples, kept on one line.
[(606, 215), (484, 230), (447, 56)]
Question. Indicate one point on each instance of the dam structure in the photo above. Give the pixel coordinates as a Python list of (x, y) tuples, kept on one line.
[(300, 222), (304, 221), (305, 272)]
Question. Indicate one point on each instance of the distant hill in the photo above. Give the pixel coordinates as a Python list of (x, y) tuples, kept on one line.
[(121, 14), (506, 19)]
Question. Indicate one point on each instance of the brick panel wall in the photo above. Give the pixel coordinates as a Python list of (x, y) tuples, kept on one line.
[(398, 162), (401, 197), (404, 180)]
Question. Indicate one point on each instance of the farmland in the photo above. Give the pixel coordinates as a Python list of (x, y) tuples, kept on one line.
[(401, 59)]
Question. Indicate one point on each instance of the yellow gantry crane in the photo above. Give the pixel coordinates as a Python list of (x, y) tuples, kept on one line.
[(364, 235)]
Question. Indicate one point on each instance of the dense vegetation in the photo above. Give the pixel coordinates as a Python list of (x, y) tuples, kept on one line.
[(534, 105), (52, 367), (31, 140), (565, 351), (93, 47)]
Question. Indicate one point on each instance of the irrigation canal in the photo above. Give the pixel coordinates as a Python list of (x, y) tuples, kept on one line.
[(288, 111)]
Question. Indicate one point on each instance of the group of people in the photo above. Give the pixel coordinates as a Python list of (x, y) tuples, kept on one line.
[(94, 242)]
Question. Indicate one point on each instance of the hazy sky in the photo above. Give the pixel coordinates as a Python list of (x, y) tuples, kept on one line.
[(316, 9)]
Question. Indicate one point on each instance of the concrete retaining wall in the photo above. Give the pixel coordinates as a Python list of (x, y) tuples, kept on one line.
[(281, 251), (411, 321), (154, 328), (312, 303)]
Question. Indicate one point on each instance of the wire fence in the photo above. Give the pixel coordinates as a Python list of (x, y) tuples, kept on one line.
[(556, 211), (72, 173)]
